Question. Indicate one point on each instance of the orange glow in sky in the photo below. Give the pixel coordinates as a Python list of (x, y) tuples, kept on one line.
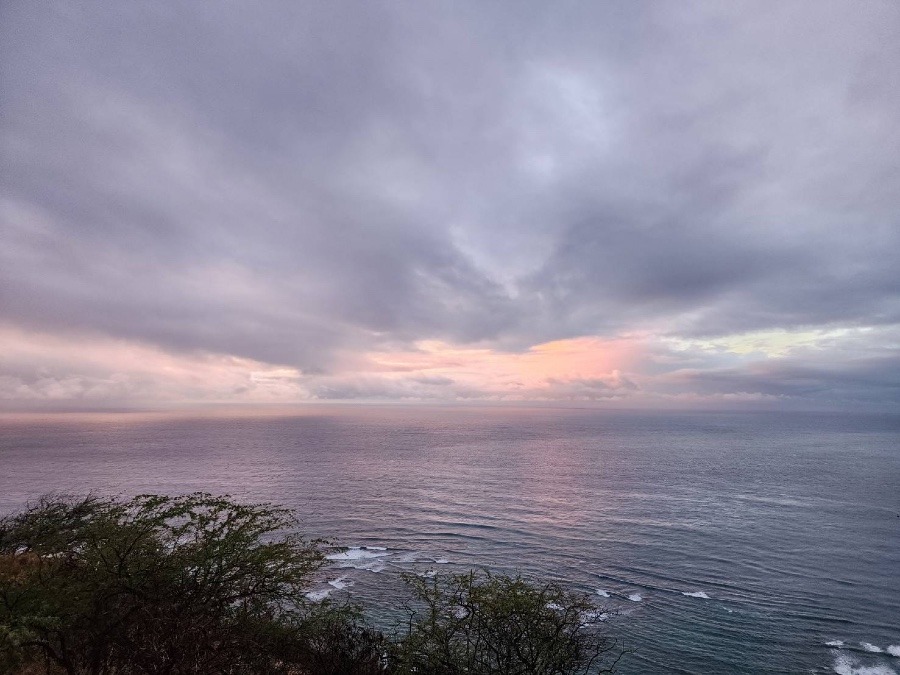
[(104, 371), (525, 373)]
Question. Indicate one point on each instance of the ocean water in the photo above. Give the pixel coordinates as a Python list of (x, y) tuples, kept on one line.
[(721, 542)]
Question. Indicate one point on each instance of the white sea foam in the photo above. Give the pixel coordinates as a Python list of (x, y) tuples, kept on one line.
[(835, 643), (372, 564), (358, 553), (340, 583), (441, 561), (869, 647), (318, 596), (360, 558), (893, 650), (697, 594), (845, 665), (602, 593), (635, 597)]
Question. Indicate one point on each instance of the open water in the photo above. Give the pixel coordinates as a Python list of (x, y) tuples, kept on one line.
[(722, 543)]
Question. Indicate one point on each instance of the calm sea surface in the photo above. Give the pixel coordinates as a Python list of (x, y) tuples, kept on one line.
[(726, 543)]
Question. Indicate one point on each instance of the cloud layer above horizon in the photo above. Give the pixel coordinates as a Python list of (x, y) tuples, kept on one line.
[(630, 203)]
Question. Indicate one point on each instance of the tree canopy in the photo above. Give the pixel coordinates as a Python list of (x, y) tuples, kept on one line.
[(500, 625), (204, 584)]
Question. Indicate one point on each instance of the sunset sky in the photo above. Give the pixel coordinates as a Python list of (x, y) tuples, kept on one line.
[(625, 204)]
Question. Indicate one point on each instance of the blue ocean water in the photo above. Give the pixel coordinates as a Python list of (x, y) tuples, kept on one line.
[(721, 542)]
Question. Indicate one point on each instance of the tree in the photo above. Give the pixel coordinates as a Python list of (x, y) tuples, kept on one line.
[(200, 584), (482, 624), (192, 584)]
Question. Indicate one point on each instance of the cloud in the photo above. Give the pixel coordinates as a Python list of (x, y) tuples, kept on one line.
[(324, 189), (44, 371), (853, 368), (850, 368)]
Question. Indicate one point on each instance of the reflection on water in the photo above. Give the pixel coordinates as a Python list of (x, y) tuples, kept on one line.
[(725, 542)]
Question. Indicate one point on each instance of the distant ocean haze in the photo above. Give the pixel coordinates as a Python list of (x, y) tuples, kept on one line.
[(716, 542)]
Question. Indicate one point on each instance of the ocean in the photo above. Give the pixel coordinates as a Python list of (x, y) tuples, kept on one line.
[(719, 542)]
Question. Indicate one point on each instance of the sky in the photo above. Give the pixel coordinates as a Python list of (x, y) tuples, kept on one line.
[(641, 204)]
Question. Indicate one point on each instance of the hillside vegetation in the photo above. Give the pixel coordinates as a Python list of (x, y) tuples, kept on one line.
[(203, 584)]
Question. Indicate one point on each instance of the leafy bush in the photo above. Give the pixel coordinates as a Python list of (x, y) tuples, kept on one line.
[(201, 584), (481, 624), (193, 584)]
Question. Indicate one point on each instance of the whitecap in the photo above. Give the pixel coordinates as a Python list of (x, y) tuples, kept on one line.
[(357, 553), (635, 597), (441, 561), (844, 665), (602, 593), (893, 650), (340, 583), (835, 643), (318, 596), (696, 594), (372, 564), (869, 647)]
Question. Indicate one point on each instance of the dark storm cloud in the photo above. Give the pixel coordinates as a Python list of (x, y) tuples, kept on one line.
[(285, 180)]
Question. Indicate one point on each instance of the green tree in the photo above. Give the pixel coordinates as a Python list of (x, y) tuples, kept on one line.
[(482, 624), (201, 584), (192, 584)]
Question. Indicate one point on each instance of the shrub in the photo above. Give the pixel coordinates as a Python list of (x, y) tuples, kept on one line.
[(201, 584), (481, 624), (192, 584)]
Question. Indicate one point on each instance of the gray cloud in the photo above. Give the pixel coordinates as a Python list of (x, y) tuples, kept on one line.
[(859, 368), (287, 182), (870, 383)]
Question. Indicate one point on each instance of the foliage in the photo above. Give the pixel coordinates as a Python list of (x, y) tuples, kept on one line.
[(158, 585), (481, 624), (335, 642), (201, 584)]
